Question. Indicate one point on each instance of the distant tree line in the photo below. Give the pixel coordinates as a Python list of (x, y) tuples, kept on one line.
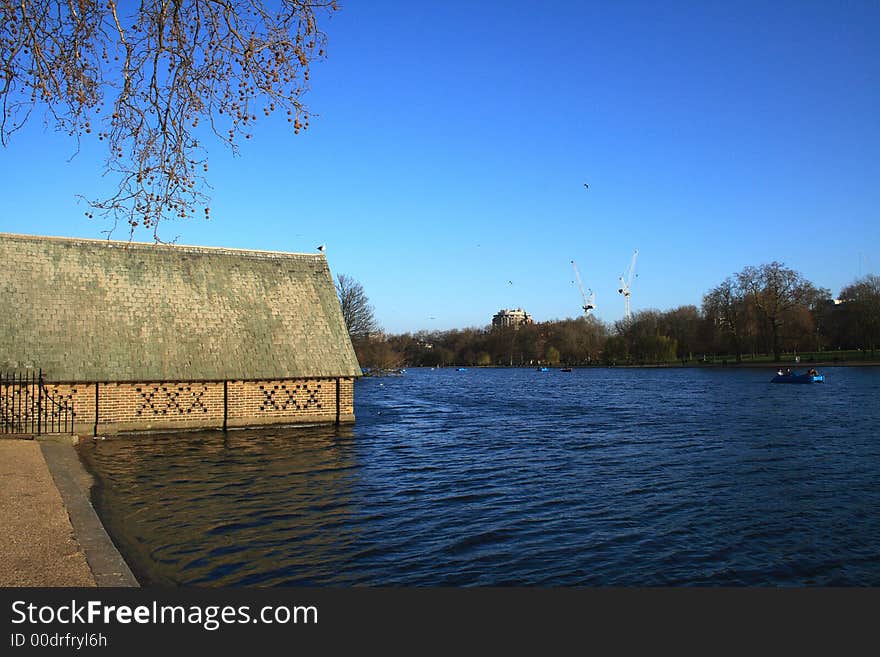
[(767, 311)]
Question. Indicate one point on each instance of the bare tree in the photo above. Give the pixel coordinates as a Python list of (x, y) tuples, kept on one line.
[(777, 292), (356, 309), (143, 82), (725, 307), (861, 311)]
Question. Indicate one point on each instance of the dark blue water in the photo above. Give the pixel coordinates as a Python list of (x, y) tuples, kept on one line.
[(504, 477)]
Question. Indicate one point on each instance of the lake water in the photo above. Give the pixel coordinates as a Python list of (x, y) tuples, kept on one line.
[(518, 477)]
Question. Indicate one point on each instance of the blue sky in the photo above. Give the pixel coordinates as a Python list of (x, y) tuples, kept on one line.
[(445, 167)]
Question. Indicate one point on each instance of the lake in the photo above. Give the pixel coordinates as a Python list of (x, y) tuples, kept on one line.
[(492, 477)]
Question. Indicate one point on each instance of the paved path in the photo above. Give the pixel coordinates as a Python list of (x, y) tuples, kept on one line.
[(37, 544), (50, 534)]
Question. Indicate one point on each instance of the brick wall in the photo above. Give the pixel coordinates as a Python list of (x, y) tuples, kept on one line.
[(192, 404)]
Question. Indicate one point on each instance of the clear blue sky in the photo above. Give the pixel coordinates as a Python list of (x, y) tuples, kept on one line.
[(453, 139)]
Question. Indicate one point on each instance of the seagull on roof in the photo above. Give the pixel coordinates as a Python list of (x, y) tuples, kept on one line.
[(321, 248)]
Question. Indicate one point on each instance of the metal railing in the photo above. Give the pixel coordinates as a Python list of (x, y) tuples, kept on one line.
[(26, 407)]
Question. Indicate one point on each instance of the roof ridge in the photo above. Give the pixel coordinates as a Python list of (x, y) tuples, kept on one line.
[(191, 248)]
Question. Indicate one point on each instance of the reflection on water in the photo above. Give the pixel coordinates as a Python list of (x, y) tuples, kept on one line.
[(246, 507), (497, 477)]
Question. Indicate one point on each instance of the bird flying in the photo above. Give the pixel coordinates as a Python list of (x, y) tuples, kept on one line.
[(321, 248)]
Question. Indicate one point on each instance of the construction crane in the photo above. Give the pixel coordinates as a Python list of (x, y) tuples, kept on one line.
[(590, 303), (625, 284)]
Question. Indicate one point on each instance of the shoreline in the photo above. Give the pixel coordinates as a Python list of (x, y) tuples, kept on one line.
[(691, 365), (51, 534), (75, 484), (768, 365)]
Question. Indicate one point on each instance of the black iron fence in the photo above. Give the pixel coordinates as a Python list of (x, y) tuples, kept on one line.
[(26, 407)]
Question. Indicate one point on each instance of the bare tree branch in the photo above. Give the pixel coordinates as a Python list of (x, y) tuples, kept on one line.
[(143, 82), (356, 309)]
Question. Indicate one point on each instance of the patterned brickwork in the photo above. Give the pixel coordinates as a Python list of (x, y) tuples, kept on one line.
[(134, 406), (95, 310)]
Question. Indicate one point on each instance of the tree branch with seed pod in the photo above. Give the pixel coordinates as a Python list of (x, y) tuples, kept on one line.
[(143, 82)]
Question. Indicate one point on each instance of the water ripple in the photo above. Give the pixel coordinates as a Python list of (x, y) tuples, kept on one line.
[(508, 477)]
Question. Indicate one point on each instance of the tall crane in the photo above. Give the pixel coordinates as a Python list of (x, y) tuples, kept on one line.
[(625, 284), (590, 303)]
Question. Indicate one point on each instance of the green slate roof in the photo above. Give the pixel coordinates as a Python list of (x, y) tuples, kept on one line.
[(96, 310)]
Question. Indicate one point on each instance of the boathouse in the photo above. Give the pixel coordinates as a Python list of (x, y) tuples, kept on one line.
[(132, 336)]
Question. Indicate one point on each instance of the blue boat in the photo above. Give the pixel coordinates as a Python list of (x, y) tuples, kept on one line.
[(543, 369), (794, 377), (462, 369)]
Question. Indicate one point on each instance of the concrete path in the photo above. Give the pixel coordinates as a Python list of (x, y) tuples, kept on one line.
[(37, 545), (74, 484), (50, 534)]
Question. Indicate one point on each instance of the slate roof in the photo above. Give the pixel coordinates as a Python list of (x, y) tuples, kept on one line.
[(98, 310)]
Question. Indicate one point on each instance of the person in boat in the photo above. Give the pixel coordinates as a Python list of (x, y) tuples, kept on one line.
[(787, 371), (779, 372), (812, 372)]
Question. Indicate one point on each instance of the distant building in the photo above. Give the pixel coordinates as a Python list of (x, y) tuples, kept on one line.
[(505, 317)]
